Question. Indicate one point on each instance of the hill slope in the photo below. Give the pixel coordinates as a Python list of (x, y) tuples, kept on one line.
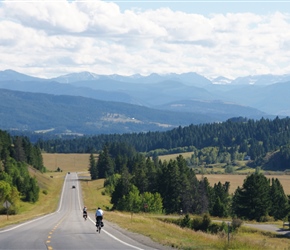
[(72, 114)]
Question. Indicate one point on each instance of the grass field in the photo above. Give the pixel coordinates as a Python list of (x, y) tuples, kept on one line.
[(238, 180), (66, 162), (173, 156)]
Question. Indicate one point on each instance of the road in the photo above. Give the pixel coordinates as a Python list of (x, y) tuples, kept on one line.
[(66, 229), (264, 227)]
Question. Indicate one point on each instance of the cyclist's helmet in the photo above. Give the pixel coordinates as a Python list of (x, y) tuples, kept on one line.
[(99, 208)]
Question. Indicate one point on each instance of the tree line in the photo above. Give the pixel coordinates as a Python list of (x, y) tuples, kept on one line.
[(139, 183), (232, 140), (16, 153)]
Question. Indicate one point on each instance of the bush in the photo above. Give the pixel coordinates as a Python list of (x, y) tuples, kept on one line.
[(185, 222), (201, 224), (214, 228), (196, 223), (206, 221), (236, 223), (224, 227), (265, 218), (45, 192)]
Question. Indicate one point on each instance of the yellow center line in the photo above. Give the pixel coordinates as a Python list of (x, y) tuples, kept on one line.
[(51, 232)]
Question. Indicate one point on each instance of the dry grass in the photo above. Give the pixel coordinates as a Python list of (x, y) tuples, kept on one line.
[(238, 180), (47, 203), (92, 195), (66, 162), (173, 156)]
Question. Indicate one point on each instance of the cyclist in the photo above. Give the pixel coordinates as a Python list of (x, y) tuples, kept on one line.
[(99, 217), (85, 213)]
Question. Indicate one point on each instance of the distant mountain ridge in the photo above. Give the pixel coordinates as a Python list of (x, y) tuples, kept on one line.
[(190, 78), (154, 90), (188, 94), (71, 114)]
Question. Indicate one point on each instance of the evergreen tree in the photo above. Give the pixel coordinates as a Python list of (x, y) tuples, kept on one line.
[(204, 196), (279, 201), (122, 188), (252, 200), (93, 168), (170, 187), (221, 200), (105, 165), (19, 153)]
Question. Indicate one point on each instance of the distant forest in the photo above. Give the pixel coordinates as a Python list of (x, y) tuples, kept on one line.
[(137, 183), (223, 142)]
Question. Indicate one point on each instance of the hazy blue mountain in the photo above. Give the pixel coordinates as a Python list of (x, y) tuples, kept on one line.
[(272, 99), (67, 89), (148, 94), (72, 114), (213, 107), (75, 77), (221, 80), (7, 75), (192, 79), (263, 92), (261, 79)]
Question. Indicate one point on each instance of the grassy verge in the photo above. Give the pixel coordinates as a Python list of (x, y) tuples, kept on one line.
[(174, 236), (50, 184), (48, 199)]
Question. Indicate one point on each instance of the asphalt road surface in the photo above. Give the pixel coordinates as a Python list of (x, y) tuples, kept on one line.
[(66, 229)]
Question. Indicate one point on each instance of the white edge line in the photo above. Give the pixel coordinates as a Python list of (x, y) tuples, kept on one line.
[(42, 217), (61, 198), (79, 192), (114, 237)]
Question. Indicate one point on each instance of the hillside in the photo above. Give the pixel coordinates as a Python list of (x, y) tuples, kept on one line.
[(265, 93), (79, 115)]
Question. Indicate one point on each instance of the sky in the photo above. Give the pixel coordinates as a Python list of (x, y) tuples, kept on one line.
[(212, 38)]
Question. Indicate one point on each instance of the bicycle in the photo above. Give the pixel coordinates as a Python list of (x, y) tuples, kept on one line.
[(85, 216), (99, 225)]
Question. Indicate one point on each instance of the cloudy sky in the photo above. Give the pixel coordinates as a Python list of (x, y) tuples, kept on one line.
[(212, 38)]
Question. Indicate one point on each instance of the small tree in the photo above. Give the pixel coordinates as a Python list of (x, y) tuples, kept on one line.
[(93, 168)]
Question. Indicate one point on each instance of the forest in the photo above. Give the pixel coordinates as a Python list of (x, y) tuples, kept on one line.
[(211, 143), (16, 154), (137, 183)]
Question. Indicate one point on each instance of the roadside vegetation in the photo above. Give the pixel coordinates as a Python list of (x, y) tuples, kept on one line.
[(168, 233), (151, 225)]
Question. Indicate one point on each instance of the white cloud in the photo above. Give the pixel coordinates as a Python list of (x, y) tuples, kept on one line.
[(55, 16), (50, 38)]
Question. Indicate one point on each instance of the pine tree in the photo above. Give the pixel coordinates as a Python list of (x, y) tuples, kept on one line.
[(105, 164), (170, 186), (252, 200), (93, 168), (279, 201), (122, 188)]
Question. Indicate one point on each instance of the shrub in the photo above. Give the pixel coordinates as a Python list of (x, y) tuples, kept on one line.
[(236, 223), (201, 223), (196, 223), (185, 222), (214, 228)]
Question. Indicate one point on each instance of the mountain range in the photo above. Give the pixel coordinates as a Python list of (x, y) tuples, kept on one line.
[(88, 103)]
